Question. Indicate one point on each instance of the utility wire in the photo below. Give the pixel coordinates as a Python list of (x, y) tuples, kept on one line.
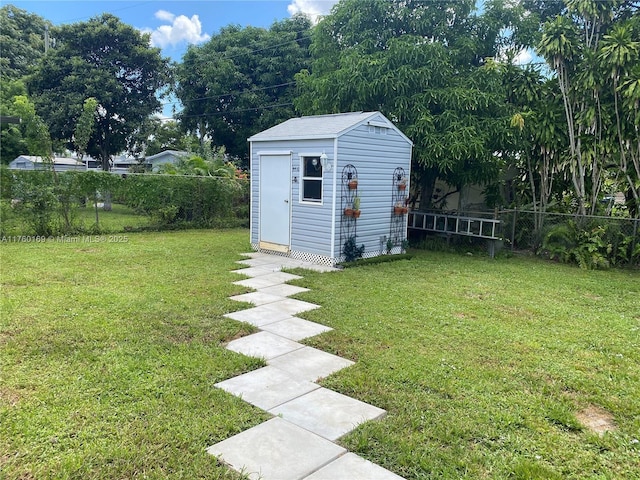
[(239, 110), (239, 92)]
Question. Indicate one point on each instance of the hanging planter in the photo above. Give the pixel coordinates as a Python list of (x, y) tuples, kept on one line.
[(356, 213), (353, 184), (402, 183), (348, 212), (400, 209)]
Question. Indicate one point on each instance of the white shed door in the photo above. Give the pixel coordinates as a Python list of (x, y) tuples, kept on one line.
[(275, 201)]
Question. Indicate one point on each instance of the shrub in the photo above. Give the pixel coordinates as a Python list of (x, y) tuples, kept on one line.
[(590, 245), (351, 250)]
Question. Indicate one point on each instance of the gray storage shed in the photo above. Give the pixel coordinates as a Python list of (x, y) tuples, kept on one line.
[(310, 175)]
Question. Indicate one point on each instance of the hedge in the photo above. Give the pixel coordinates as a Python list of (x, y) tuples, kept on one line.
[(45, 201)]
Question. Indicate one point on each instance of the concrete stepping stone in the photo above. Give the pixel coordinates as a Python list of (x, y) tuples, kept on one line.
[(257, 283), (295, 328), (350, 467), (290, 306), (263, 345), (309, 363), (257, 298), (266, 387), (269, 273), (283, 290), (258, 316), (276, 450), (257, 271), (327, 413)]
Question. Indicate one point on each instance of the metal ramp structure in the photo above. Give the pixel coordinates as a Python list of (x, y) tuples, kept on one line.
[(477, 227)]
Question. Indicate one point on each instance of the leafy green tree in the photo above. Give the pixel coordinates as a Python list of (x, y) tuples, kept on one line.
[(620, 56), (591, 49), (540, 123), (156, 136), (85, 125), (12, 142), (241, 81), (22, 38), (422, 64), (109, 61), (35, 131)]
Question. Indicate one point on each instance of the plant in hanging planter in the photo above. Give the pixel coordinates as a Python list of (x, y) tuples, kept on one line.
[(356, 206), (402, 183), (351, 250)]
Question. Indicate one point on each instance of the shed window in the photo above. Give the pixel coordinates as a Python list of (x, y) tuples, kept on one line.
[(311, 179)]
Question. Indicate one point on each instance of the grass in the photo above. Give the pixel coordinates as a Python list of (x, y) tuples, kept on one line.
[(120, 219), (483, 365), (108, 354)]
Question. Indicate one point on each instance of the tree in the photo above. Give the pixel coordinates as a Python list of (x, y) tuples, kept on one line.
[(85, 125), (35, 131), (22, 38), (589, 49), (241, 81), (12, 142), (155, 136), (423, 65), (540, 124), (620, 55), (109, 61)]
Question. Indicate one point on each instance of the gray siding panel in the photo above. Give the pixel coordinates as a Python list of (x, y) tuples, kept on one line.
[(375, 156)]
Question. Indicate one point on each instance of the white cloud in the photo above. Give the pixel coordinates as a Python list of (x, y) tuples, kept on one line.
[(164, 15), (182, 30), (313, 9)]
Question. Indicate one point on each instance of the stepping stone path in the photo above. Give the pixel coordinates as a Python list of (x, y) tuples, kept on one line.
[(298, 443)]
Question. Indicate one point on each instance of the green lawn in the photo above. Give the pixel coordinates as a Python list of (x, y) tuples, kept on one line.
[(108, 354)]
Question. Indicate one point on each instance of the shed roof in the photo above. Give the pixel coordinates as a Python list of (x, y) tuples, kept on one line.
[(319, 126)]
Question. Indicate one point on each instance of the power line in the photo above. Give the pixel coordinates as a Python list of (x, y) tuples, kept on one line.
[(239, 92), (239, 110)]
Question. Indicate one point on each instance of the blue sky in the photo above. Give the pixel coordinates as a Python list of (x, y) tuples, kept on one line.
[(175, 24)]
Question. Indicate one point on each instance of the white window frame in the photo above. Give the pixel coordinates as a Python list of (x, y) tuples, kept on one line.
[(303, 178)]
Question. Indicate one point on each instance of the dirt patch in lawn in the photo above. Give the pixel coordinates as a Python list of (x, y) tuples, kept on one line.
[(596, 419)]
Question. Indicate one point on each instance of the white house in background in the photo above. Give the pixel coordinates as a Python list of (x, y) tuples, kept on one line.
[(168, 156), (33, 162)]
